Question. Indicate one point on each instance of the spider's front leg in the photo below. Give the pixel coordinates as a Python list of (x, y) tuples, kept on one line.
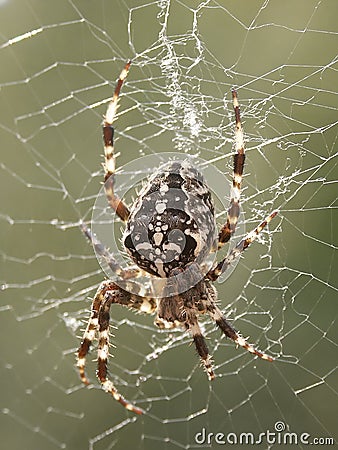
[(107, 294), (242, 245), (108, 138), (229, 227)]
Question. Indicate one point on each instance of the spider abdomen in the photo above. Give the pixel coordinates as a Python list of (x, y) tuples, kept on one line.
[(172, 222)]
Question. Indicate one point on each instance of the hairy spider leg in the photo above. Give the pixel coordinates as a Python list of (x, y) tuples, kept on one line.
[(242, 245), (108, 138), (108, 293), (88, 337), (109, 258), (166, 314), (229, 227), (231, 333), (201, 346)]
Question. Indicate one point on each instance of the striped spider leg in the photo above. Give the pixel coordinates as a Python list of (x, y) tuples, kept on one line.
[(228, 230), (107, 294), (218, 270), (108, 138), (183, 310), (229, 227)]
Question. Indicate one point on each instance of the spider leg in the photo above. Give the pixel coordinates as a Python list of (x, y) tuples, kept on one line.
[(109, 258), (108, 138), (229, 227), (89, 336), (180, 309), (243, 244), (108, 293), (231, 333), (201, 346), (103, 352)]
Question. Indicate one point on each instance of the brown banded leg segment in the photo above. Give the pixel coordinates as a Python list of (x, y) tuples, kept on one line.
[(89, 335), (201, 346), (222, 266), (103, 352), (108, 293), (108, 138), (231, 333), (229, 227), (91, 329)]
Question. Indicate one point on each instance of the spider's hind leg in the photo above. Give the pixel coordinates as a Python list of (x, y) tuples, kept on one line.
[(180, 310), (89, 336), (201, 346), (111, 296), (231, 333), (107, 294)]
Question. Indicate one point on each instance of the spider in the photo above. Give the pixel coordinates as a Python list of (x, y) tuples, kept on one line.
[(167, 240)]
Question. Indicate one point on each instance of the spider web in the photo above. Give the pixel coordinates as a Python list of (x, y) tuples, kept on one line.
[(59, 61)]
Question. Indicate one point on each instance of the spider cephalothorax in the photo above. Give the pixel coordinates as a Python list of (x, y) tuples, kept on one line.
[(170, 231)]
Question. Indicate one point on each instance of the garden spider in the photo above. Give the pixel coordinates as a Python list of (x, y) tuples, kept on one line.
[(167, 239)]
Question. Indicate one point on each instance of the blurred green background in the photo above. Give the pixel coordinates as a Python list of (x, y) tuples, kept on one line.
[(59, 61)]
